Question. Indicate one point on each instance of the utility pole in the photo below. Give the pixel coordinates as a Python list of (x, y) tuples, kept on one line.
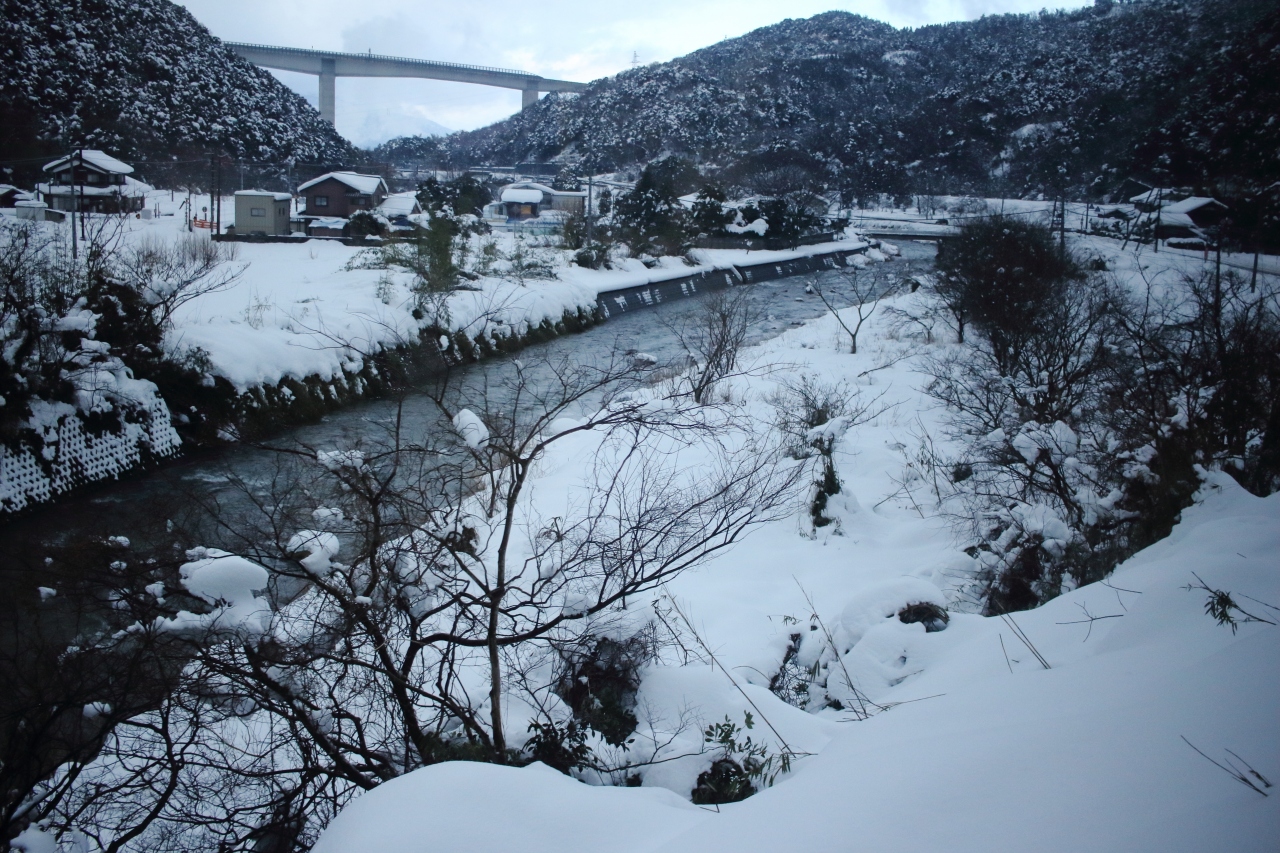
[(590, 216), (1155, 229), (83, 235), (1062, 228), (217, 219), (75, 208)]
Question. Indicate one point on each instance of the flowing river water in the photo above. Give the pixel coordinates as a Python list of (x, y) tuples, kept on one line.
[(139, 506)]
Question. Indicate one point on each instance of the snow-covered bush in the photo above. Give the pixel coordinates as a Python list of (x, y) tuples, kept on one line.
[(1027, 403), (1086, 409), (843, 663), (71, 409), (367, 223), (813, 416)]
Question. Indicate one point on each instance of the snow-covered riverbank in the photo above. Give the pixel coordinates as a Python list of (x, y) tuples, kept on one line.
[(973, 743)]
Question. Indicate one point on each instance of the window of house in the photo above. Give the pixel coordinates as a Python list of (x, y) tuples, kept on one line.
[(321, 200), (257, 211)]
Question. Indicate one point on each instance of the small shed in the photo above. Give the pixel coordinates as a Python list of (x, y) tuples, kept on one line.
[(340, 194), (400, 204), (262, 212), (11, 195)]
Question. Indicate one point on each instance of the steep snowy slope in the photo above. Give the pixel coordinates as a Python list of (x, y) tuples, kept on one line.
[(846, 102), (995, 755), (143, 79)]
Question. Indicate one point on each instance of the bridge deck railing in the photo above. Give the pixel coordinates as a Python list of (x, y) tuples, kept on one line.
[(431, 62)]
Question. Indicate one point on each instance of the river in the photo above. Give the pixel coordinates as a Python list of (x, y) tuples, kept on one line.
[(140, 506)]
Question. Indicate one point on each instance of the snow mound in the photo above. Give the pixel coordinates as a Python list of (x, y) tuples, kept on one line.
[(471, 429), (228, 582), (447, 807)]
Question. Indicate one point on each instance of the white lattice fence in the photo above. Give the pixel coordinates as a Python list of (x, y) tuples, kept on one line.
[(73, 456)]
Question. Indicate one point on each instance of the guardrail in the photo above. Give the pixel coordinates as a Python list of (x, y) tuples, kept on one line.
[(770, 244), (302, 51)]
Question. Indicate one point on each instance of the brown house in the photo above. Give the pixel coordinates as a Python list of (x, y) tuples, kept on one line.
[(94, 182), (340, 194)]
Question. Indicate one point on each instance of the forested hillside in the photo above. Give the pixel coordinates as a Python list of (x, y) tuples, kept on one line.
[(1178, 91), (143, 80)]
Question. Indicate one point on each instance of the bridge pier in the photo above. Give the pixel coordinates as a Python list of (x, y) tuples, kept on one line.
[(328, 90), (528, 97)]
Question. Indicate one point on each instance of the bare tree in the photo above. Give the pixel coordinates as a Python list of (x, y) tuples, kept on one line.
[(712, 335), (417, 579), (865, 292), (169, 274)]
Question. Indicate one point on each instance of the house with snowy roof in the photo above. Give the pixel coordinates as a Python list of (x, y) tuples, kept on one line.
[(530, 199), (337, 195), (1179, 215), (92, 181), (1198, 211)]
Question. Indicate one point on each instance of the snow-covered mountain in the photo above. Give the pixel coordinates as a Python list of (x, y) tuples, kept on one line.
[(1174, 90), (144, 80)]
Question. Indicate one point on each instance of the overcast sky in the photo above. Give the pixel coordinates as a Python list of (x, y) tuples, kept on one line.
[(565, 39)]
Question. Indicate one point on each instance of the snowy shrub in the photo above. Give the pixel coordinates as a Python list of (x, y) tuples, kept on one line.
[(562, 747), (814, 416), (366, 223), (1085, 412), (650, 218), (1027, 403), (527, 262), (998, 274), (743, 765), (599, 680)]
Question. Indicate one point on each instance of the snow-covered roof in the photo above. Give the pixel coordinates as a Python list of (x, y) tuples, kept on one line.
[(131, 187), (529, 185), (93, 159), (367, 184), (1173, 218), (399, 204), (1148, 197), (522, 196), (335, 222), (265, 194), (1193, 203), (543, 188)]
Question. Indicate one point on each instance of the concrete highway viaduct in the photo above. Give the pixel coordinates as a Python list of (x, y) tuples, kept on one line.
[(329, 66)]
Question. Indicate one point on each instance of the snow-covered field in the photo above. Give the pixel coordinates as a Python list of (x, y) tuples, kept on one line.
[(298, 310), (973, 743)]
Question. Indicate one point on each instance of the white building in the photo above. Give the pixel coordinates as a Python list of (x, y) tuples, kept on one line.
[(262, 212)]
